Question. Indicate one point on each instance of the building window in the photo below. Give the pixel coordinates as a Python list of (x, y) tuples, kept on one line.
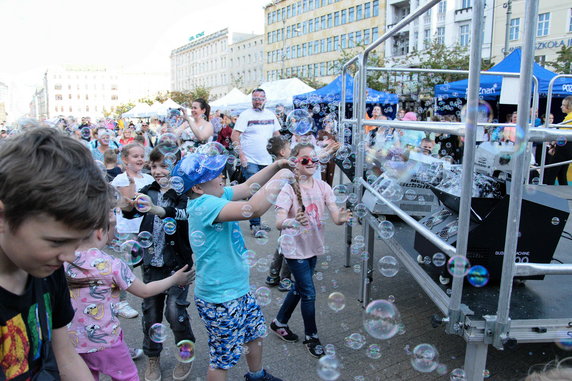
[(366, 37), (351, 14), (351, 41), (374, 33), (440, 35), (514, 30), (323, 45), (304, 50), (310, 48), (343, 41), (311, 4), (443, 6), (329, 47), (570, 21), (289, 11), (543, 25), (464, 36), (375, 6), (317, 24), (426, 38), (358, 38), (359, 12), (59, 97), (330, 17), (465, 4), (323, 22), (57, 86), (344, 15), (367, 10), (336, 18)]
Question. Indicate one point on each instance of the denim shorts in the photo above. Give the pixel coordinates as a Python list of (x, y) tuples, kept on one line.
[(230, 325)]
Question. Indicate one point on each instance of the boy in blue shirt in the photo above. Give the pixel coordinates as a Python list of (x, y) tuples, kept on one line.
[(230, 313)]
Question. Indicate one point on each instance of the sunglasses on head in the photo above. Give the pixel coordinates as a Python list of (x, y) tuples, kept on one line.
[(305, 160)]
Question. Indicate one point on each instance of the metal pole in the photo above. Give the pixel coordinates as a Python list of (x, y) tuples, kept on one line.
[(507, 29), (513, 218), (475, 360), (468, 159)]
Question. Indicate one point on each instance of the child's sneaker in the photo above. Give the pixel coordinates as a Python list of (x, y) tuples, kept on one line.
[(265, 377), (285, 285), (272, 281), (284, 333), (314, 346), (126, 311)]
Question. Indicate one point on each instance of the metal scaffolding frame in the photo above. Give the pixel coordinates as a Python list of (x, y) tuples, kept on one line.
[(497, 329)]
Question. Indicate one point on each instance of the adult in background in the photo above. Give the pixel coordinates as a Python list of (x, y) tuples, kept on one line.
[(102, 143), (561, 150), (148, 134), (250, 136), (197, 129)]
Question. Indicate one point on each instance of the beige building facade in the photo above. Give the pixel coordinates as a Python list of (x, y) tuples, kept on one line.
[(553, 30), (245, 62), (305, 38)]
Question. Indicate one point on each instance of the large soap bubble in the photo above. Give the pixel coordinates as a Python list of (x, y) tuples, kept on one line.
[(299, 122), (381, 319)]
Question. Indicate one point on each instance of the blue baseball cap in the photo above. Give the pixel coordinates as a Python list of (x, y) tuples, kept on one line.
[(198, 168)]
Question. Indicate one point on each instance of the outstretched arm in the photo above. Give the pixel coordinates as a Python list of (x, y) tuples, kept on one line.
[(70, 364)]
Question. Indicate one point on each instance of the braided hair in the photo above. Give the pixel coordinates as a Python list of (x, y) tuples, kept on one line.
[(296, 185)]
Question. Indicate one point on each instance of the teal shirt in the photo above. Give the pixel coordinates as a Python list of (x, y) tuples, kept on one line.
[(222, 271)]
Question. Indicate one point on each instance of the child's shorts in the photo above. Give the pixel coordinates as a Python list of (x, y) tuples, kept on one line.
[(114, 361), (230, 325)]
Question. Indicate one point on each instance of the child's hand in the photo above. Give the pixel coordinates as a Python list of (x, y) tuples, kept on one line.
[(182, 277), (345, 215), (301, 217), (283, 163), (332, 147)]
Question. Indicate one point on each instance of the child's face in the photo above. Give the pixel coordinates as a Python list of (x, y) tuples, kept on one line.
[(305, 163), (214, 187), (40, 245), (159, 170), (285, 151), (135, 160)]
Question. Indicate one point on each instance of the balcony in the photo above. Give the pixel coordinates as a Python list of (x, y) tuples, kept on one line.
[(463, 14)]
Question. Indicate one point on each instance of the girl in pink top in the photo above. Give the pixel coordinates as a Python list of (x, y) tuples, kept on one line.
[(300, 212), (95, 280)]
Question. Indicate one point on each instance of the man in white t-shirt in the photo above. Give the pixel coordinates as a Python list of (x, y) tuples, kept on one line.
[(251, 132)]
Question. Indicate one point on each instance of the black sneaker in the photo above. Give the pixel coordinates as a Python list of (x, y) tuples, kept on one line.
[(272, 281), (265, 227), (284, 333), (285, 285), (265, 377), (314, 346)]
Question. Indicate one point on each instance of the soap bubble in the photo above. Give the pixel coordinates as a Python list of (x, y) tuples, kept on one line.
[(177, 184), (273, 189), (286, 283), (381, 319), (145, 239), (355, 341), (247, 210), (386, 229), (211, 149), (250, 257), (458, 266), (132, 252), (158, 333), (263, 296), (262, 265), (360, 210), (170, 225), (337, 301), (143, 203), (341, 193), (167, 143), (555, 221), (478, 276), (457, 375), (373, 352), (185, 351), (255, 187), (439, 259), (299, 122), (197, 238), (425, 358), (388, 266), (328, 368), (287, 244), (261, 237), (566, 343), (410, 194)]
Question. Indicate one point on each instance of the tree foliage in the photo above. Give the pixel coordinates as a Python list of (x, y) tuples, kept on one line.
[(563, 62)]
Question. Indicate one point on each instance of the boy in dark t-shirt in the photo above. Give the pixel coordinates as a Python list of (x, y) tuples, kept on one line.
[(52, 196)]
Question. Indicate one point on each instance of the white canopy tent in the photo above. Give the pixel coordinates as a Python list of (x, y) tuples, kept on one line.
[(235, 96), (282, 91), (141, 110)]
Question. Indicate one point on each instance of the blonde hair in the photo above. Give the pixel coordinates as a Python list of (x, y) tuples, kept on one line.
[(552, 371)]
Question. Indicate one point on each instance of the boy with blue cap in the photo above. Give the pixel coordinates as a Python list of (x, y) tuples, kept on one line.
[(233, 319)]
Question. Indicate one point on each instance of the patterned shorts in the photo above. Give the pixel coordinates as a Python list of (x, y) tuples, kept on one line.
[(230, 325)]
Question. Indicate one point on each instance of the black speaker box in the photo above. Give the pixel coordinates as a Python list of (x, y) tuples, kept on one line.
[(542, 221)]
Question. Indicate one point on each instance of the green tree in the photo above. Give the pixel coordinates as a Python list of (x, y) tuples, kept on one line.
[(312, 82), (563, 62), (119, 110), (374, 60)]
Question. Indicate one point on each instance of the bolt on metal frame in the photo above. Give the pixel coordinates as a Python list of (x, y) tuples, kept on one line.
[(497, 329)]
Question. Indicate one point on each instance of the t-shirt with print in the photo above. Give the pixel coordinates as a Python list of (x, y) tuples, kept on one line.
[(307, 241), (20, 333), (256, 127), (126, 225), (221, 267), (95, 325)]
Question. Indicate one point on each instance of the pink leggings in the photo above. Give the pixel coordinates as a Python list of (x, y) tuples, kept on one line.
[(114, 361)]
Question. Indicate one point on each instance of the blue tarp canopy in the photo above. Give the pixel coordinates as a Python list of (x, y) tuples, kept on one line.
[(490, 85), (332, 93)]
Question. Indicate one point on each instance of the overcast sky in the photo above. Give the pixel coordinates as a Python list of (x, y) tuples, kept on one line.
[(134, 33)]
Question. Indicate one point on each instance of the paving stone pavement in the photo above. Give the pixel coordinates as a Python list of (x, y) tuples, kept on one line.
[(291, 362)]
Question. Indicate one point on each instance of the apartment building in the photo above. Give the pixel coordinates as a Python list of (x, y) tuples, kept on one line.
[(305, 38)]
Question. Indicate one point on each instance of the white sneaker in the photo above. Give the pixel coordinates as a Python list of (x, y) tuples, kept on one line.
[(135, 353), (126, 311)]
